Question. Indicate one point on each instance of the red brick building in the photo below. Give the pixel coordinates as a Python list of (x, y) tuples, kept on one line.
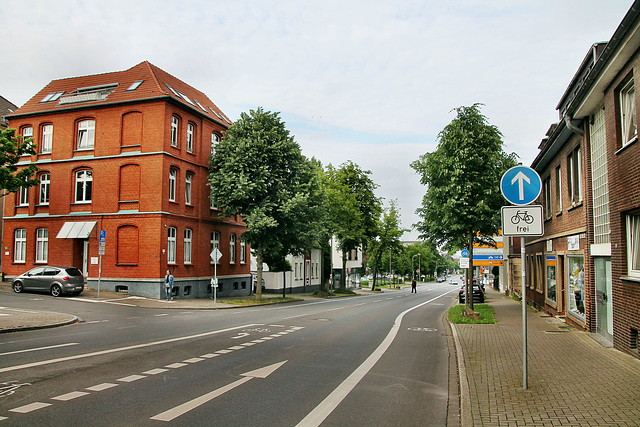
[(125, 152), (586, 267)]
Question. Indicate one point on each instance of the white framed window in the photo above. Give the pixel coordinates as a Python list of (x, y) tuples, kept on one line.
[(232, 249), (20, 245), (188, 234), (84, 184), (47, 139), (558, 189), (628, 112), (171, 245), (633, 245), (213, 203), (214, 243), (86, 134), (23, 196), (187, 188), (215, 139), (27, 132), (175, 124), (42, 245), (546, 197), (243, 251), (173, 175), (45, 181), (574, 175), (190, 132)]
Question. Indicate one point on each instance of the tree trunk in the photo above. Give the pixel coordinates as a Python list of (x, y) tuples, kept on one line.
[(259, 274), (344, 270)]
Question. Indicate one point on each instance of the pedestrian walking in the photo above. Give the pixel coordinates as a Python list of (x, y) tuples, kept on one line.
[(168, 286), (413, 286)]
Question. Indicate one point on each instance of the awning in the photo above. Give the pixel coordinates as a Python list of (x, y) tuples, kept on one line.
[(76, 230)]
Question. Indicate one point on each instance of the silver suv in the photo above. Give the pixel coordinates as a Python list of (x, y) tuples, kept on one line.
[(56, 280)]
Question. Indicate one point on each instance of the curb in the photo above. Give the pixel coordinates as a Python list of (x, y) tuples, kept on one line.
[(465, 412), (71, 321)]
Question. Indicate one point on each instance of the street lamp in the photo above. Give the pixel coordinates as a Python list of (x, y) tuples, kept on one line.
[(413, 272)]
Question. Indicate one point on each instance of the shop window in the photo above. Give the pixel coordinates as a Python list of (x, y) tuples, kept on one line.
[(551, 279), (576, 286), (633, 245)]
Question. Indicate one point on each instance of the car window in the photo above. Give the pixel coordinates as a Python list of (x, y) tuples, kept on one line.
[(36, 271), (72, 271), (51, 271)]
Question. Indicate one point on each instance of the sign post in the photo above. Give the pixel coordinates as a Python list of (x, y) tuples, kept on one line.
[(522, 185), (101, 244), (215, 256)]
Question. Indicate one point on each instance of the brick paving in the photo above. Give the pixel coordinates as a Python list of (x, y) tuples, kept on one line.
[(572, 379)]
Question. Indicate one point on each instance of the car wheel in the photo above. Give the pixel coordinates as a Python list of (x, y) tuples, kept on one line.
[(17, 287), (56, 290)]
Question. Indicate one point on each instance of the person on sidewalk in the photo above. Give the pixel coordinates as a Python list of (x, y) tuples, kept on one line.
[(413, 286), (168, 286)]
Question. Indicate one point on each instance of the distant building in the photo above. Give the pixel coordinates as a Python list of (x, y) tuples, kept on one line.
[(305, 274), (126, 153), (6, 108), (352, 268)]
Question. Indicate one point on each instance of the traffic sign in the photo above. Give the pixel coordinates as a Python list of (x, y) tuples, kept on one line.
[(522, 220), (521, 185), (216, 255), (464, 253), (464, 262)]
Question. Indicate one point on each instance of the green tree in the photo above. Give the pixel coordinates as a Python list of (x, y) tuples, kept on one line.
[(463, 199), (12, 148), (390, 232), (259, 172), (355, 210)]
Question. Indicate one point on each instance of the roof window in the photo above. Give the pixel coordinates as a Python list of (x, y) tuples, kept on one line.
[(89, 93), (135, 85), (53, 96), (180, 95)]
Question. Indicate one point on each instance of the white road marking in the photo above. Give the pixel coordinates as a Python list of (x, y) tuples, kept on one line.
[(102, 302), (100, 387), (209, 355), (236, 347), (70, 396), (173, 413), (176, 365), (121, 349), (30, 407), (39, 348), (155, 371), (193, 360), (131, 378), (326, 407), (224, 351)]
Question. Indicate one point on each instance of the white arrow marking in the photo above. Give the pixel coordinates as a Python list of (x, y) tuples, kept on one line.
[(240, 335), (172, 414), (521, 178)]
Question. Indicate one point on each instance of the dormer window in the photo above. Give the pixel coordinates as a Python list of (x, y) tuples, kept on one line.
[(53, 96), (134, 85), (89, 93)]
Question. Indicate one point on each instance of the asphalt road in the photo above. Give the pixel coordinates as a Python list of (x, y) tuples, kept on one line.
[(373, 360)]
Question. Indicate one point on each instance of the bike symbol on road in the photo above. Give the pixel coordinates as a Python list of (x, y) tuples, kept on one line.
[(10, 387)]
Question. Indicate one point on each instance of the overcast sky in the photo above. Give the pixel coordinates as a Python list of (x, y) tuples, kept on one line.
[(364, 80)]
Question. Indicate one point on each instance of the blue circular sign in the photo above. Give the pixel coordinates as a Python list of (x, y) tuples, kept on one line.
[(465, 253), (521, 185)]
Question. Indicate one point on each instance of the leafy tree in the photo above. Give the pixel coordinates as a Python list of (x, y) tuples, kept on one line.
[(259, 172), (12, 147), (389, 235), (463, 199), (355, 210)]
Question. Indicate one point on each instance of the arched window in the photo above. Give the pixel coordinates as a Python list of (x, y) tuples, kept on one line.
[(47, 138), (45, 181), (215, 243), (86, 134), (215, 139), (84, 183), (171, 245), (42, 245), (175, 125), (187, 188), (173, 175), (188, 234), (232, 249)]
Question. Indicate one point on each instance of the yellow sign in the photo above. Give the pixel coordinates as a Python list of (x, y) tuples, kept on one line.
[(487, 262)]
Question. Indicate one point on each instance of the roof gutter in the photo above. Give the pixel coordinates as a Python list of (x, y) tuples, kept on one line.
[(571, 127)]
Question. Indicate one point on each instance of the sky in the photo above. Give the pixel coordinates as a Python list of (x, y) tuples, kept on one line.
[(369, 81)]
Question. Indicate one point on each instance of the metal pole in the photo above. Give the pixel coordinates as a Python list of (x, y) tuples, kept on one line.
[(215, 288), (525, 382), (99, 275)]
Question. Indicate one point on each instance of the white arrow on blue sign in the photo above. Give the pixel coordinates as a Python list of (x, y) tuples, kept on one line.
[(521, 185)]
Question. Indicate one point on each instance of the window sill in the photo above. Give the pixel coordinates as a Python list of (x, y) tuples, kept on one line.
[(81, 203), (630, 279), (126, 264), (575, 206), (628, 144), (559, 213)]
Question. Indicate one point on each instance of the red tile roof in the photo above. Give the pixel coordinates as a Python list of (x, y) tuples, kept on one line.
[(156, 84)]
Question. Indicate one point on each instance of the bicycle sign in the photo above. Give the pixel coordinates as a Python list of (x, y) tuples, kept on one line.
[(522, 220)]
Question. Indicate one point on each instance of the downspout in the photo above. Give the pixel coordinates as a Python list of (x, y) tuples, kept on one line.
[(572, 128)]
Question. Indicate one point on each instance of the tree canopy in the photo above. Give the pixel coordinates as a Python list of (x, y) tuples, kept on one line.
[(12, 148), (389, 234), (258, 171), (463, 199)]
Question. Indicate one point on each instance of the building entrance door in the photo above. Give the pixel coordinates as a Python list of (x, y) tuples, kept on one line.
[(604, 302)]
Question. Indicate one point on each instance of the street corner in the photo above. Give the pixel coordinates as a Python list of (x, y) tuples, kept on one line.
[(17, 319)]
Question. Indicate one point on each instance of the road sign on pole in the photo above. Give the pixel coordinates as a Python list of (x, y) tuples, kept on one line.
[(522, 220), (521, 185)]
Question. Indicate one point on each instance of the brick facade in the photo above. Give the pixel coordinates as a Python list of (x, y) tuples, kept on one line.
[(130, 163)]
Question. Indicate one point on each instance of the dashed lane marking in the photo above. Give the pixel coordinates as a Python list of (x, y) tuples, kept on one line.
[(131, 378), (101, 387), (30, 407), (70, 396)]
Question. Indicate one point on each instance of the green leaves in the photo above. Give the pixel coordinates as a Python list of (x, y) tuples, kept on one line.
[(12, 148)]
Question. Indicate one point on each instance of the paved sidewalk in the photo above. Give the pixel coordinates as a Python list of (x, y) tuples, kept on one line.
[(573, 380)]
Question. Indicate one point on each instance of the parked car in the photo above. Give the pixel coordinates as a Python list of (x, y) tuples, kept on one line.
[(441, 279), (53, 279), (478, 294), (453, 282)]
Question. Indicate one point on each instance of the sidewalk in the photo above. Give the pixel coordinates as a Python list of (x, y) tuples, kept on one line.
[(573, 380)]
